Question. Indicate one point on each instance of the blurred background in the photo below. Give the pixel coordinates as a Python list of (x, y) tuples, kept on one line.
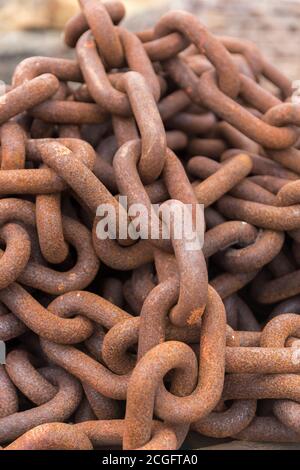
[(33, 27)]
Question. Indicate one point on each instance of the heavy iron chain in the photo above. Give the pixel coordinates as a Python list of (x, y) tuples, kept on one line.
[(171, 113)]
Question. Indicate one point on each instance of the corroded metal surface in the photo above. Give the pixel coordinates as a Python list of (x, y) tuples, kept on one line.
[(132, 342)]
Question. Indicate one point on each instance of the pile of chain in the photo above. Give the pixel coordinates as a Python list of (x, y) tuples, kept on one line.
[(133, 343)]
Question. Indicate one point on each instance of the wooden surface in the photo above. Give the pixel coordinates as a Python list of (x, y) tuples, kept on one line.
[(197, 442), (242, 445)]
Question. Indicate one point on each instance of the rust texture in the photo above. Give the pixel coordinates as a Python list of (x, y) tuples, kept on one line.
[(131, 342)]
